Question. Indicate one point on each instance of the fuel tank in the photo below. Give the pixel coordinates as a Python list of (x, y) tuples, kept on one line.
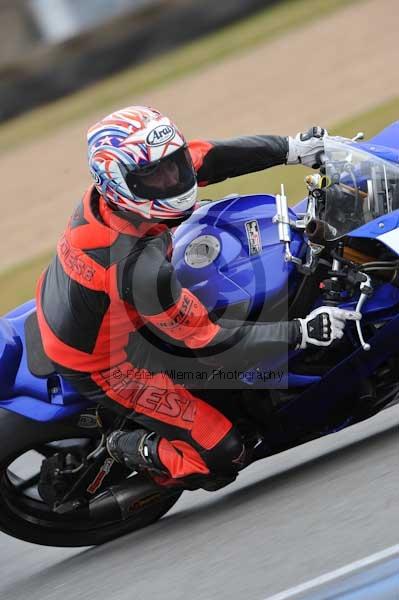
[(229, 254)]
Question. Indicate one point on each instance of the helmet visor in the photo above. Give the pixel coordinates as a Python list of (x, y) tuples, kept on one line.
[(170, 176)]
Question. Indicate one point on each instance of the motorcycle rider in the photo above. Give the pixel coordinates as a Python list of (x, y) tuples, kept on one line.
[(111, 293)]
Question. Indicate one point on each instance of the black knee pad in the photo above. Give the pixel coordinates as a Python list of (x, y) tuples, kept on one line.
[(227, 456)]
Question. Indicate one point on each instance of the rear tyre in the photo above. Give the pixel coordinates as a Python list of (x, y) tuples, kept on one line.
[(24, 515)]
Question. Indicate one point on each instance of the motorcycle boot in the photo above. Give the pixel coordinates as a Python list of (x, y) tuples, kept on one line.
[(136, 449)]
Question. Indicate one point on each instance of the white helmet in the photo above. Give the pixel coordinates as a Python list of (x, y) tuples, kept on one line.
[(141, 164)]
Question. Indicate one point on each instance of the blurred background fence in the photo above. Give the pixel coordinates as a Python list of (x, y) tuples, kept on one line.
[(49, 48)]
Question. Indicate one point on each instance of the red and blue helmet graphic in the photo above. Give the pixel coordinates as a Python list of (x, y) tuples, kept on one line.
[(125, 146)]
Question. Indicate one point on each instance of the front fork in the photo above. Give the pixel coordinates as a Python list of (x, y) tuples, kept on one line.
[(333, 288)]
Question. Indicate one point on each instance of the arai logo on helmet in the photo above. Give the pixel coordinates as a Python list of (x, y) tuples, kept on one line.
[(160, 135)]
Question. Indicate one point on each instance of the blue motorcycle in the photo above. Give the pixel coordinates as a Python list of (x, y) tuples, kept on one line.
[(249, 258)]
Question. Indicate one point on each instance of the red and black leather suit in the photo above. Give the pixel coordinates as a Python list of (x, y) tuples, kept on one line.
[(112, 280)]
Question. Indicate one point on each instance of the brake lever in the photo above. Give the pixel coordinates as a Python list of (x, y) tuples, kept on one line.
[(366, 290)]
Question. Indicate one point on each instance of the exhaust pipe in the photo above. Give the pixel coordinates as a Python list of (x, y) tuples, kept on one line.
[(122, 501)]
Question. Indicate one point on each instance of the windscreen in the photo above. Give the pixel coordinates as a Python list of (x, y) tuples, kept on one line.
[(358, 187)]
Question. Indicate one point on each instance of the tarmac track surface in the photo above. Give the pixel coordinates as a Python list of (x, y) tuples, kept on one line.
[(288, 519)]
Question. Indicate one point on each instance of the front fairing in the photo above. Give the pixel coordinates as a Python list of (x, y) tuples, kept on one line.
[(360, 185)]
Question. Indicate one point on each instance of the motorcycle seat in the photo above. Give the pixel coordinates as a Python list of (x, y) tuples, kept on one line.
[(38, 363)]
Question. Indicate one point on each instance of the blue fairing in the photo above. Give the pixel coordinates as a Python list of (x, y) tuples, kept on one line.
[(388, 138), (237, 278), (384, 145), (375, 229), (381, 151), (41, 399)]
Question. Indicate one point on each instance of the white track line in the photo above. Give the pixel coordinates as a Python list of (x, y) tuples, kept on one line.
[(332, 575)]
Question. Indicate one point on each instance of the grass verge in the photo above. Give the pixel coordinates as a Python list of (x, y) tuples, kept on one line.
[(233, 39), (17, 284)]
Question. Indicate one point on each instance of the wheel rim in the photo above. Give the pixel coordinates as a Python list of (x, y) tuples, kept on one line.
[(18, 490)]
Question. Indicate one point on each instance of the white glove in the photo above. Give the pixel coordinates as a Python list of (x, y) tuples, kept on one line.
[(325, 324), (307, 148)]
